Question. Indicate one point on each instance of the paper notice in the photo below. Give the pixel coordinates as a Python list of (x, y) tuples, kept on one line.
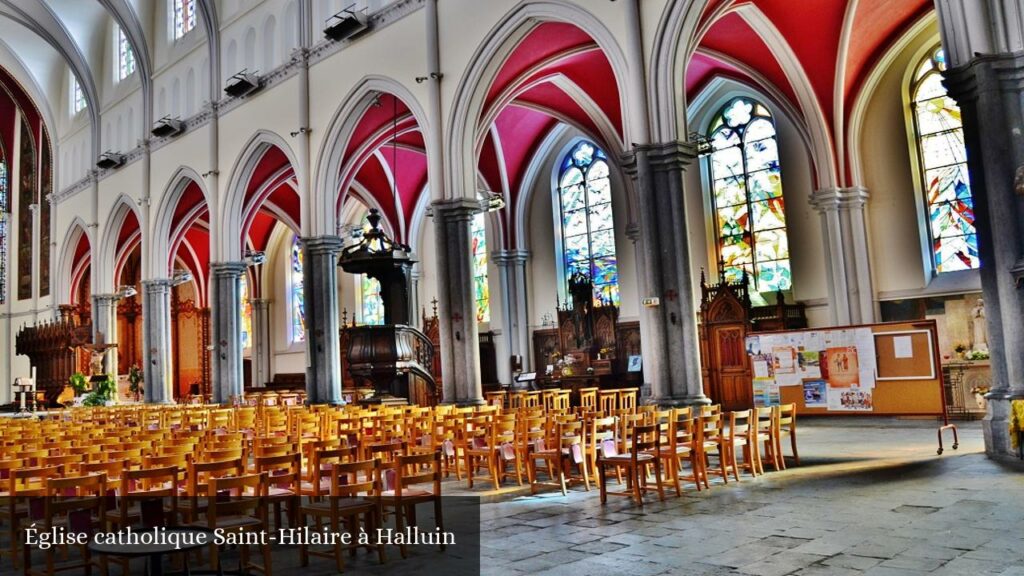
[(903, 347)]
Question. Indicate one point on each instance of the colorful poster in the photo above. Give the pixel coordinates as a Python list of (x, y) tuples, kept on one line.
[(763, 391), (815, 394), (843, 367), (850, 400), (810, 363), (785, 359)]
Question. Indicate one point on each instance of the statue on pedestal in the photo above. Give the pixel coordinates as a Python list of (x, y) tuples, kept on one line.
[(979, 337)]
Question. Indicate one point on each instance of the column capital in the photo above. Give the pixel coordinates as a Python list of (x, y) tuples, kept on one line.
[(259, 301), (510, 257), (106, 298), (633, 231), (455, 210), (155, 285), (834, 199), (985, 72), (665, 156), (316, 245), (227, 268)]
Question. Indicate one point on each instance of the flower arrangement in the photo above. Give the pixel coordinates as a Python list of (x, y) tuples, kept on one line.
[(102, 392), (981, 389), (135, 379), (78, 383), (976, 355)]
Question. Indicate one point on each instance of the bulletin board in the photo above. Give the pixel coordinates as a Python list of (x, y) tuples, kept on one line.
[(885, 369)]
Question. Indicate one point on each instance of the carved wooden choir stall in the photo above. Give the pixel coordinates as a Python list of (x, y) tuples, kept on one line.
[(53, 349), (395, 358), (589, 347), (726, 318)]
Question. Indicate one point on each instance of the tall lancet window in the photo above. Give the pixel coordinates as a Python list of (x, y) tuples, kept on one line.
[(588, 229), (371, 303), (184, 17), (747, 194), (295, 287), (480, 289), (125, 55), (939, 137), (246, 300)]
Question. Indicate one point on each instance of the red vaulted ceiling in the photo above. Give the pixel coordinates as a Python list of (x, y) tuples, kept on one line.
[(814, 33), (190, 243), (387, 160), (527, 100)]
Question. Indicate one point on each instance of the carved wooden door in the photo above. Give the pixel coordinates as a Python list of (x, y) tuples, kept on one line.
[(731, 385)]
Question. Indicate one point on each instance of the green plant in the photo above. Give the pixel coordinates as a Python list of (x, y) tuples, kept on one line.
[(135, 379), (102, 392), (78, 383)]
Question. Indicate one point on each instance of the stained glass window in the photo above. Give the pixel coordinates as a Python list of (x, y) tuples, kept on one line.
[(747, 193), (184, 17), (943, 157), (480, 288), (588, 231), (4, 220), (125, 56), (246, 313), (78, 99), (298, 301), (373, 304)]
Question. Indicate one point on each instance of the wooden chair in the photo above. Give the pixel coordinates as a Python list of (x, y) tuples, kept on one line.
[(741, 435), (355, 492), (533, 399), (765, 436), (713, 442), (627, 399), (22, 485), (403, 499), (532, 434), (197, 484), (496, 398), (114, 469), (644, 450), (284, 480), (79, 501), (243, 509), (609, 401), (317, 483), (682, 446), (560, 400), (588, 399), (603, 440), (785, 425), (564, 447), (147, 497)]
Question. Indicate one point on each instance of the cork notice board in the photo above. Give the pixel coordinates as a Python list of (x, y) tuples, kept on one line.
[(905, 355)]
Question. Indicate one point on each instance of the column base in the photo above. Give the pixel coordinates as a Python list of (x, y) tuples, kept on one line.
[(473, 402), (996, 428), (678, 401)]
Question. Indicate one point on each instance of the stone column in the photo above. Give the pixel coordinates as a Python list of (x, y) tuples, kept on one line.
[(323, 345), (460, 346), (512, 278), (671, 347), (989, 92), (226, 305), (156, 341), (261, 344), (415, 316), (846, 254), (104, 327)]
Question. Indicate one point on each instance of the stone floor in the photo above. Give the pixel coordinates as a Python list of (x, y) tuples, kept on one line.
[(871, 497)]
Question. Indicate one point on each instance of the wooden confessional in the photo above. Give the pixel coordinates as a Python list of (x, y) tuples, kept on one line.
[(725, 320)]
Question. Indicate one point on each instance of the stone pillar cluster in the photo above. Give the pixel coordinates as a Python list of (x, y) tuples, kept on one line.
[(104, 327), (671, 356), (323, 354), (460, 351), (512, 279), (226, 304), (156, 341), (261, 343), (847, 264)]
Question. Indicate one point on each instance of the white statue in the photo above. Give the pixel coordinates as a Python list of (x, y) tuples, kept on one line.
[(979, 342)]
